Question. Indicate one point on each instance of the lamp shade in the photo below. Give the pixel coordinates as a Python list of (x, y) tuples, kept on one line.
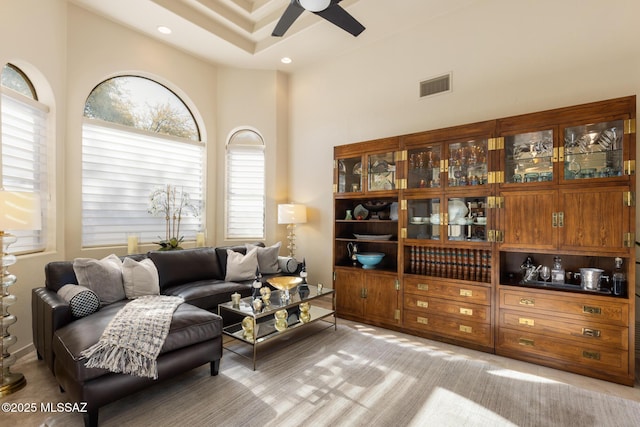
[(19, 210), (292, 214)]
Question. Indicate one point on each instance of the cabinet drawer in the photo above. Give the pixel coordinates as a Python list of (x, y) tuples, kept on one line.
[(458, 291), (604, 359), (460, 309), (479, 333), (586, 332), (567, 305)]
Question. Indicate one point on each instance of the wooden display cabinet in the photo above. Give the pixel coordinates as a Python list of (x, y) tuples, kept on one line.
[(556, 183)]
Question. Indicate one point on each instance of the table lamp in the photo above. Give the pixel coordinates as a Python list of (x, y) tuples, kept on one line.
[(292, 214), (18, 211)]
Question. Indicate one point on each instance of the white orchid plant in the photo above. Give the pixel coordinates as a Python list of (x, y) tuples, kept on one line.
[(173, 203)]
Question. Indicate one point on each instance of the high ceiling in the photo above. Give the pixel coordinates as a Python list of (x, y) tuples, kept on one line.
[(238, 32)]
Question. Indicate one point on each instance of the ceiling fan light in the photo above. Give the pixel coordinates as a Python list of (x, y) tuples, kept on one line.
[(315, 5)]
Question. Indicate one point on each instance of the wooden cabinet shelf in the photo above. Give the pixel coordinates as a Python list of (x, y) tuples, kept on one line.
[(467, 205)]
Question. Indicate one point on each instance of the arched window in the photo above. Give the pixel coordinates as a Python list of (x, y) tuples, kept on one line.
[(138, 137), (23, 149), (245, 185)]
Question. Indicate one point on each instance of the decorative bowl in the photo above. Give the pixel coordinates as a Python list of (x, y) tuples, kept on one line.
[(369, 259), (284, 283)]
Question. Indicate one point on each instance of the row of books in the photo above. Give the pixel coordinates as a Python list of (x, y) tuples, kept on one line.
[(452, 263)]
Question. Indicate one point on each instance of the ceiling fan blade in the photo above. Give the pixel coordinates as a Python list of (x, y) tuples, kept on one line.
[(340, 17), (291, 13)]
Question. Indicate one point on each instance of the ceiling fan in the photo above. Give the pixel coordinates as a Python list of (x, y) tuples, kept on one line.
[(327, 9)]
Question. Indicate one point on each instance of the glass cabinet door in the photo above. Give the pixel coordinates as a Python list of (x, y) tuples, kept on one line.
[(467, 219), (381, 172), (594, 150), (424, 219), (350, 175), (529, 157), (467, 163), (424, 167)]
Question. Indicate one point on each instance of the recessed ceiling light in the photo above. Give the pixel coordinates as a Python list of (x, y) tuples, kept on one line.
[(164, 30), (286, 60)]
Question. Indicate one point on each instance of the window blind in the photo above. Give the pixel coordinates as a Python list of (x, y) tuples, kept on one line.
[(245, 192), (121, 167), (24, 159)]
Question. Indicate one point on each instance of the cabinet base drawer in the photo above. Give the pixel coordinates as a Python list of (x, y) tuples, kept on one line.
[(459, 309), (429, 286), (585, 332), (478, 333), (572, 355)]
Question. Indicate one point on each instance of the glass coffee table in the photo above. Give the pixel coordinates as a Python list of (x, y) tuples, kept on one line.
[(271, 320)]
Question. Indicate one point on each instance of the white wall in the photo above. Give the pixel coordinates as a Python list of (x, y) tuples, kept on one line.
[(507, 57)]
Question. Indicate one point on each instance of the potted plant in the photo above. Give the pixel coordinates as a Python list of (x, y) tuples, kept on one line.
[(173, 204)]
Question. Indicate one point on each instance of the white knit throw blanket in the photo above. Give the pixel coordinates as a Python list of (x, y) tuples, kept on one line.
[(131, 342)]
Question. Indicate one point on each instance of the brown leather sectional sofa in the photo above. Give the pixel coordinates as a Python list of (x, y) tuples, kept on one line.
[(195, 335)]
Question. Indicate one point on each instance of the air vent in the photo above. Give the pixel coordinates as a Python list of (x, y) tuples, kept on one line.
[(435, 85)]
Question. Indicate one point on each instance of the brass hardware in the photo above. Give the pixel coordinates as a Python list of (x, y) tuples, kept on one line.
[(397, 285), (491, 236), (396, 315), (422, 304), (334, 276), (495, 143), (588, 332), (423, 287), (335, 163), (528, 301), (444, 219), (401, 155), (629, 126), (554, 220), (335, 188), (466, 311), (467, 329), (495, 177), (403, 204), (561, 154), (500, 143), (593, 355), (495, 202), (422, 320), (444, 165), (629, 239), (466, 293), (527, 322), (591, 310), (363, 292), (401, 184), (527, 342), (499, 236), (403, 233), (554, 157), (629, 199), (630, 167), (560, 219), (491, 177)]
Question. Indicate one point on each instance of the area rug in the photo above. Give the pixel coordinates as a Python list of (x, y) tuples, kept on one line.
[(363, 376)]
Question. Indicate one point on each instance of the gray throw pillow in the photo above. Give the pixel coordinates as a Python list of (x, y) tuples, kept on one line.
[(241, 267), (104, 277), (83, 301), (267, 258), (140, 278)]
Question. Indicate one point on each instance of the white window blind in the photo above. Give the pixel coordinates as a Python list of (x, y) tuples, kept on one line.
[(24, 159), (121, 167), (245, 203)]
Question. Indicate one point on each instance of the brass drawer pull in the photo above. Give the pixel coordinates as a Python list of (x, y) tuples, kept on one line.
[(593, 355), (466, 293), (422, 320), (527, 342), (467, 329), (525, 321), (591, 310), (527, 301), (466, 311), (588, 332), (423, 304), (423, 287)]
